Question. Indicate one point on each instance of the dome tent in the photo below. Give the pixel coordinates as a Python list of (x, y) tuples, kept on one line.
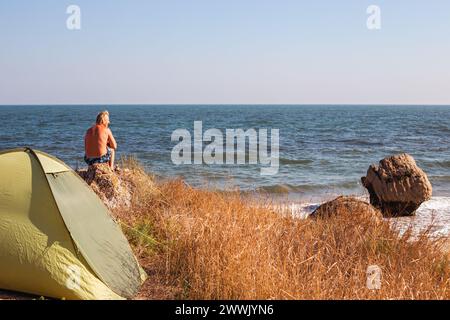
[(57, 238)]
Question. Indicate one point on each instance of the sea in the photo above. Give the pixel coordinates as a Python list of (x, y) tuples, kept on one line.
[(324, 150)]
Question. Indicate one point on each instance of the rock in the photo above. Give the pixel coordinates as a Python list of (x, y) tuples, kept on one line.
[(397, 186), (108, 185), (344, 205)]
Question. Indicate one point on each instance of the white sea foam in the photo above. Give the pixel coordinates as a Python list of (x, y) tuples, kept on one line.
[(433, 214)]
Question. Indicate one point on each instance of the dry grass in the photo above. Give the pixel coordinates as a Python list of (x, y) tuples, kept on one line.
[(199, 244)]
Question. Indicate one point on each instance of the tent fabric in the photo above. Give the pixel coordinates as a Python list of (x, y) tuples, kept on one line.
[(50, 164), (57, 239)]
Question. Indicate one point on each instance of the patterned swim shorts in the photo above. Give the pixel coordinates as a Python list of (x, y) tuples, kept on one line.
[(103, 159)]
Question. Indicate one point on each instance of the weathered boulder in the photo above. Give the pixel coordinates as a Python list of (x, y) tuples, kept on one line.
[(397, 186), (345, 205), (107, 184)]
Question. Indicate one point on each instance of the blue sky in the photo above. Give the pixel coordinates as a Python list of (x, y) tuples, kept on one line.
[(229, 51)]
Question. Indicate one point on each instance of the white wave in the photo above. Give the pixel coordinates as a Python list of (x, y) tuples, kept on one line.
[(433, 214)]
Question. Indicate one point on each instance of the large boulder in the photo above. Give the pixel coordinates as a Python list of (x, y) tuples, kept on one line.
[(108, 185), (397, 186), (345, 205)]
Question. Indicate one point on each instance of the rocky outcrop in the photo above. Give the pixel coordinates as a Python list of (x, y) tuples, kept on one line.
[(397, 186), (108, 185), (344, 205)]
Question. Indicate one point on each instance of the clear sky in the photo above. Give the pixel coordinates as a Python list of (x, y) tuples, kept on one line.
[(228, 51)]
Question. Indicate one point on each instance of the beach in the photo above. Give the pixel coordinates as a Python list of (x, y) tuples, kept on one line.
[(178, 218)]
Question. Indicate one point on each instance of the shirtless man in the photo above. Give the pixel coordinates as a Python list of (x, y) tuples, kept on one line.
[(99, 143)]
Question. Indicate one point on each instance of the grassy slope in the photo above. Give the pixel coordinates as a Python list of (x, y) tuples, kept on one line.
[(199, 244)]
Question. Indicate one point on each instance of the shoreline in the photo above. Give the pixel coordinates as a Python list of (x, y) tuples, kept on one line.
[(434, 213)]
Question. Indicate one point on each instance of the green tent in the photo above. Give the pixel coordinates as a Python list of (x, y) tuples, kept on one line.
[(57, 238)]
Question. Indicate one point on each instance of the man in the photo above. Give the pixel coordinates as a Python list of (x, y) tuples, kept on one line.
[(99, 143)]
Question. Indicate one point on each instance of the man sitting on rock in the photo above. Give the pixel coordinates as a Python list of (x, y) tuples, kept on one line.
[(99, 142)]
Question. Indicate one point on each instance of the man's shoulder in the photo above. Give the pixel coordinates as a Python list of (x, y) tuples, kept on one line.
[(102, 130)]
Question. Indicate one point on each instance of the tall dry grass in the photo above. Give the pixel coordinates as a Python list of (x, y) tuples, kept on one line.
[(209, 245)]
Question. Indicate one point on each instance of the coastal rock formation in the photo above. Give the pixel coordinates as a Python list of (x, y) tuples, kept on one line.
[(108, 185), (344, 205), (120, 188), (397, 186)]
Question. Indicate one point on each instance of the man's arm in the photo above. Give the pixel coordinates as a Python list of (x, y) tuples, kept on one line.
[(111, 141)]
